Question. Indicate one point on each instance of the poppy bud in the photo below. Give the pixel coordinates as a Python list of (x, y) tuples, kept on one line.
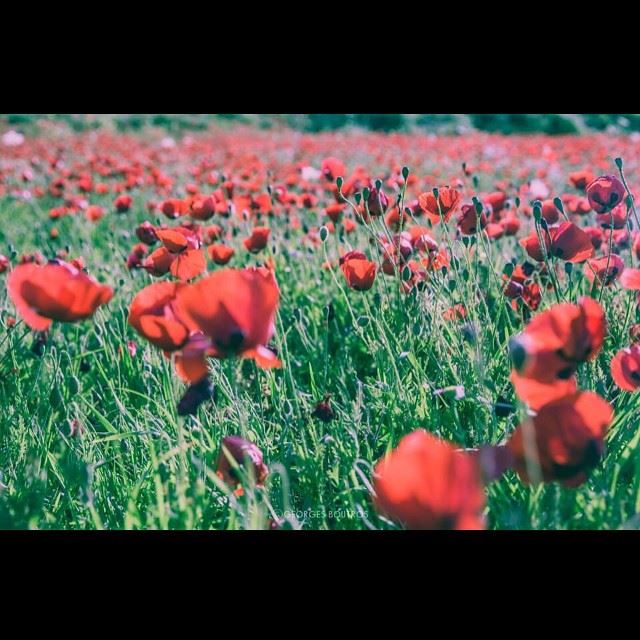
[(241, 452), (323, 410)]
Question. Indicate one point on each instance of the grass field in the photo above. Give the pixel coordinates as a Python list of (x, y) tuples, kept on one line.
[(90, 433)]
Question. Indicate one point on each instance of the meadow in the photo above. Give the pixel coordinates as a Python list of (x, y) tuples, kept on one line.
[(246, 329)]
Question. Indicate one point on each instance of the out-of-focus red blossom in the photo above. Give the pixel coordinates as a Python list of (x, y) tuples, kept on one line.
[(220, 253), (605, 270), (550, 212), (335, 212), (332, 168), (153, 314), (630, 279), (377, 202), (212, 233), (258, 239), (234, 310), (469, 222), (580, 179), (496, 200), (426, 484), (123, 203), (457, 312), (359, 272), (173, 208), (180, 254), (94, 213), (203, 208), (616, 218), (4, 263), (605, 193), (146, 233), (625, 368), (511, 224), (137, 256), (442, 207), (237, 452), (564, 441), (595, 235), (577, 206), (56, 291), (546, 354)]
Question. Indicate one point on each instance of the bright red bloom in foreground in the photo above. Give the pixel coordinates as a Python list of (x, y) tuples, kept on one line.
[(625, 368), (426, 484), (258, 239), (605, 193), (359, 273), (235, 310), (237, 452), (220, 253), (564, 441), (55, 291), (442, 207), (546, 354), (154, 316)]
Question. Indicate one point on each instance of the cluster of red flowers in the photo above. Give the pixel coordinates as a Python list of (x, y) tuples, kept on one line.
[(411, 220)]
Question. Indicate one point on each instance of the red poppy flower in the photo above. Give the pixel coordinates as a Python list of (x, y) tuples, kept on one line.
[(625, 368), (557, 340), (123, 203), (630, 279), (4, 263), (237, 452), (235, 310), (154, 316), (258, 239), (377, 203), (469, 221), (173, 208), (564, 441), (580, 179), (179, 254), (496, 200), (146, 233), (360, 274), (332, 168), (55, 291), (335, 212), (605, 193), (137, 256), (606, 270), (426, 484), (550, 212), (202, 207), (531, 244), (578, 206), (511, 224), (220, 253), (457, 312), (442, 207), (94, 213), (595, 235), (570, 243)]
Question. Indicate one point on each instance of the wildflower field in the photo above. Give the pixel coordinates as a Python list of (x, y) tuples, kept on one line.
[(245, 329)]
